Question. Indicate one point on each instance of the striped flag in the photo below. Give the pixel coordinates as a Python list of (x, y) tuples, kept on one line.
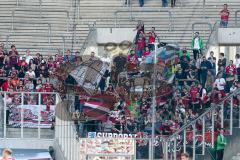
[(99, 106)]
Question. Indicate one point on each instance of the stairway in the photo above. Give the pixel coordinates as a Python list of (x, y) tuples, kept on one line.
[(102, 12), (31, 23), (31, 27), (237, 157)]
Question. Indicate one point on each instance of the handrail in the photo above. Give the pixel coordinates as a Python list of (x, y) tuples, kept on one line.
[(236, 14), (197, 23), (201, 23), (144, 10), (42, 35), (91, 29), (212, 108), (192, 124), (41, 10), (213, 29), (40, 3), (49, 27)]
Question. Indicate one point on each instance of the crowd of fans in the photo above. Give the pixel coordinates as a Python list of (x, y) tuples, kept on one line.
[(198, 82)]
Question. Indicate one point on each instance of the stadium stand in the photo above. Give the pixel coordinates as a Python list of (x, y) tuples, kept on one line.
[(200, 101)]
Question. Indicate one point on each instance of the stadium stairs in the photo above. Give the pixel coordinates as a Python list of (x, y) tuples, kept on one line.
[(231, 149), (184, 15), (32, 21), (31, 28)]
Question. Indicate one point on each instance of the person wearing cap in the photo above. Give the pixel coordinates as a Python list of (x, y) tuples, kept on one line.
[(7, 154), (197, 45)]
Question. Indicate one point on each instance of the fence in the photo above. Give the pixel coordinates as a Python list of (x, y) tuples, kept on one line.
[(201, 133), (196, 137), (131, 16), (28, 115)]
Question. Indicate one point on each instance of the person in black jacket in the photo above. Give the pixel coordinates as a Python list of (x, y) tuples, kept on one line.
[(222, 61), (205, 66)]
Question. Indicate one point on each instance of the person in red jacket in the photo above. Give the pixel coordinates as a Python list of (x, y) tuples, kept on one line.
[(6, 84), (152, 35), (193, 92), (140, 46), (224, 16), (232, 67)]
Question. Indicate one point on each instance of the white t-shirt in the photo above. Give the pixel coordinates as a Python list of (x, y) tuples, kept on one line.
[(204, 92), (196, 43), (28, 58), (237, 63), (31, 74), (220, 82)]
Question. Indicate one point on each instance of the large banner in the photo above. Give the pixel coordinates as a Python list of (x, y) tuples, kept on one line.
[(32, 116), (89, 74), (107, 146)]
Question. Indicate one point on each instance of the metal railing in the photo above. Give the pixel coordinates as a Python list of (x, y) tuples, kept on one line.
[(211, 117), (214, 28), (92, 28), (49, 36), (18, 3), (20, 117), (201, 23), (236, 17), (41, 10), (131, 18), (48, 24)]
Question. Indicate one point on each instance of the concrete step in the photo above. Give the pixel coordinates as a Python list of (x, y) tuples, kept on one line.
[(29, 133)]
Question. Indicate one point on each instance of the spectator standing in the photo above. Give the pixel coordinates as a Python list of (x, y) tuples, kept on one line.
[(197, 45), (229, 81), (69, 57), (164, 3), (173, 3), (140, 30), (205, 66), (2, 55), (198, 66), (224, 16), (120, 63), (28, 56), (13, 56), (222, 61), (184, 61), (212, 60), (220, 84), (140, 46), (132, 57), (148, 58), (237, 64), (231, 67), (141, 3), (152, 36), (220, 145)]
